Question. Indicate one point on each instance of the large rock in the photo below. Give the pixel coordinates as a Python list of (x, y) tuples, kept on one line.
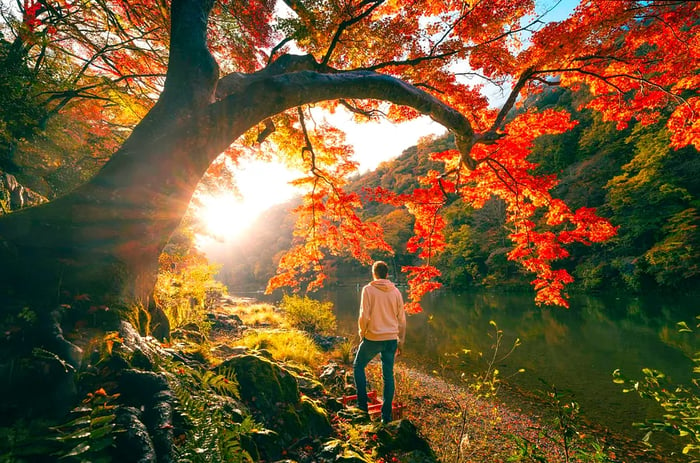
[(14, 196), (264, 385), (400, 438), (273, 393)]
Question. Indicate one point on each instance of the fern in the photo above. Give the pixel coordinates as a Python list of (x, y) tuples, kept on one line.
[(202, 399)]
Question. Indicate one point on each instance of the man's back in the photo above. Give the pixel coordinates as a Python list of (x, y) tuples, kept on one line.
[(382, 316)]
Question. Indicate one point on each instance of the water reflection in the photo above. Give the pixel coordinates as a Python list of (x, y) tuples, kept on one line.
[(575, 349)]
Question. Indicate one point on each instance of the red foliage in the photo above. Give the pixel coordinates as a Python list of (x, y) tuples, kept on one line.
[(638, 60)]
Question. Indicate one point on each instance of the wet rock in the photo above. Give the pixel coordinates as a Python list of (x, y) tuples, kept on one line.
[(159, 421), (134, 444), (15, 196), (140, 387), (263, 444), (401, 437), (133, 341), (314, 419), (327, 343), (334, 376), (354, 415), (188, 334), (272, 392), (309, 386), (225, 322)]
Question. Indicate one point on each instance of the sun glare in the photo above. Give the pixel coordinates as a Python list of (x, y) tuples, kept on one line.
[(261, 185), (225, 215)]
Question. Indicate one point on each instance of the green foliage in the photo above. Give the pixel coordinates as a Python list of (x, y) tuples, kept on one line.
[(186, 286), (285, 345), (214, 427), (90, 435), (309, 315), (486, 381), (674, 258), (564, 432), (681, 403)]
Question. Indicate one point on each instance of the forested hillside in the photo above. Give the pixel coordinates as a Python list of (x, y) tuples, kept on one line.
[(631, 176)]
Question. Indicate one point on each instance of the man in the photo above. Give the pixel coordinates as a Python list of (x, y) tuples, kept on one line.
[(382, 327)]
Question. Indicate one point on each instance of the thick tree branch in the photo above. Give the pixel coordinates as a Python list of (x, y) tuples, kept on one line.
[(192, 71), (265, 97)]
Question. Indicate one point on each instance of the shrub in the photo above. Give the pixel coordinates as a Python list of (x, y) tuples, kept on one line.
[(681, 403), (288, 346), (259, 315), (309, 315)]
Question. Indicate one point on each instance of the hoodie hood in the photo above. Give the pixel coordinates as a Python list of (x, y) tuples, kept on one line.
[(383, 285)]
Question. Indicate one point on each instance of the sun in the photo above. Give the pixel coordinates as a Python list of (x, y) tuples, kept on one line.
[(225, 215), (229, 215)]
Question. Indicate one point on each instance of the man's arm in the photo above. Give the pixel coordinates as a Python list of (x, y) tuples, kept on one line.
[(363, 318)]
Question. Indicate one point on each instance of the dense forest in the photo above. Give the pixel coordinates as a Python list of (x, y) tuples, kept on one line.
[(631, 176)]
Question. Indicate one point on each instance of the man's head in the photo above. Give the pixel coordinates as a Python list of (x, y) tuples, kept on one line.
[(380, 270)]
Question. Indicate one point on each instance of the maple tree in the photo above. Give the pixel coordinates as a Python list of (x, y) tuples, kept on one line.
[(231, 77)]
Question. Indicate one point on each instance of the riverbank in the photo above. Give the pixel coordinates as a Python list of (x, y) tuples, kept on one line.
[(463, 424), (507, 427)]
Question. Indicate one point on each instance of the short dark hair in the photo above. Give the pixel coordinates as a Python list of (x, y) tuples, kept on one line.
[(380, 269)]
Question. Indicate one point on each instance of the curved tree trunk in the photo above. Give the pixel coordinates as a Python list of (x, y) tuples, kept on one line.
[(104, 238)]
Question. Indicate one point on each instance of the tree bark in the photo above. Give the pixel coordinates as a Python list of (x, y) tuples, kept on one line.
[(104, 238)]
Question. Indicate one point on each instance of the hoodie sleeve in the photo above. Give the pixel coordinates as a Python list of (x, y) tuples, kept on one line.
[(363, 319)]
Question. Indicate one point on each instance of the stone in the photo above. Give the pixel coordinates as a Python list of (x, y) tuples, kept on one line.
[(15, 196), (134, 444), (401, 437), (263, 383)]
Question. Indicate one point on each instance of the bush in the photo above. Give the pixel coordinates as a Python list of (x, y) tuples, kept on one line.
[(681, 403), (286, 346), (309, 315)]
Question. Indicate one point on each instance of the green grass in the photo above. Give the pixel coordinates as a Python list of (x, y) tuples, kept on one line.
[(285, 345)]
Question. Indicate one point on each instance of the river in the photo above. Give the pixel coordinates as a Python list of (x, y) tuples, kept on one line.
[(574, 349)]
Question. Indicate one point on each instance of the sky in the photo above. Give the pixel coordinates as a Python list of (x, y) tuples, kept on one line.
[(262, 185)]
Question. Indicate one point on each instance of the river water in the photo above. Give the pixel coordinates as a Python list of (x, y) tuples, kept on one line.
[(574, 349)]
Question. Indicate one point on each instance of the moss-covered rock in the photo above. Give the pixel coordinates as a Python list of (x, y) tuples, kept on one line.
[(264, 385), (338, 451), (314, 418)]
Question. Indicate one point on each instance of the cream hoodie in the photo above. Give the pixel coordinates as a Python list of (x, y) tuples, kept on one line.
[(382, 317)]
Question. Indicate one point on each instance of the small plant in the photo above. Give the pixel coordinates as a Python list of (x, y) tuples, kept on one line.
[(486, 382), (681, 403), (564, 433), (483, 384), (213, 432), (259, 315), (309, 315), (345, 351), (89, 436)]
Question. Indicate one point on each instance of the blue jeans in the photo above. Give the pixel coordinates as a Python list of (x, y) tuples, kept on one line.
[(365, 353)]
